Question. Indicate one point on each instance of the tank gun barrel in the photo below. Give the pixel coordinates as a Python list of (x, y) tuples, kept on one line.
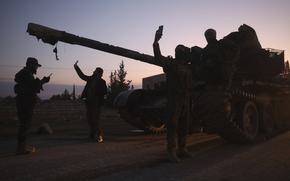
[(52, 36)]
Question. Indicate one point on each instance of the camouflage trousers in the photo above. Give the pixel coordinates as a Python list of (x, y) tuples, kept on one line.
[(177, 123)]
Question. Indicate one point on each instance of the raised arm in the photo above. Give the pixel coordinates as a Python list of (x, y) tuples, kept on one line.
[(80, 73), (158, 57)]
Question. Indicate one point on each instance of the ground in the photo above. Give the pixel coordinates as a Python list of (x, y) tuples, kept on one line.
[(127, 153)]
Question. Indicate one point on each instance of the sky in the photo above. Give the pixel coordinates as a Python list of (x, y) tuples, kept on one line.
[(130, 24)]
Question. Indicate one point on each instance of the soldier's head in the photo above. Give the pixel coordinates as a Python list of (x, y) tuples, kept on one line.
[(182, 53), (210, 35), (32, 64), (98, 72)]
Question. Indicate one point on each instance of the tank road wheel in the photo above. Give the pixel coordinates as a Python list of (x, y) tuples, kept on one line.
[(250, 121)]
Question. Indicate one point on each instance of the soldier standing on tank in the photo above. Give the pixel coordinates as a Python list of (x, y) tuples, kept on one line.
[(179, 82), (26, 89), (93, 93), (210, 36), (211, 59), (219, 58)]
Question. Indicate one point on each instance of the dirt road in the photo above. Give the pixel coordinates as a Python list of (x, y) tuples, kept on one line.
[(268, 161), (129, 154)]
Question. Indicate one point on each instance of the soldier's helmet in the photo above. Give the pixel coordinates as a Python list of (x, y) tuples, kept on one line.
[(31, 61)]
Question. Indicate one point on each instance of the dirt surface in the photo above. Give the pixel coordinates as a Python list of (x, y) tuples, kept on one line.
[(267, 161), (127, 153), (68, 155)]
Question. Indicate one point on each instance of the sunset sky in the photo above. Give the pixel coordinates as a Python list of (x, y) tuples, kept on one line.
[(130, 24)]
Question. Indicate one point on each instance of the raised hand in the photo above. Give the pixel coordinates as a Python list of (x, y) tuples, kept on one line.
[(158, 34)]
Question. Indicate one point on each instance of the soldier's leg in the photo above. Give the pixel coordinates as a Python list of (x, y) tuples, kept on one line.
[(95, 124), (24, 112), (182, 132), (99, 131), (24, 125), (174, 113), (90, 117), (94, 121), (171, 125), (182, 136), (171, 139)]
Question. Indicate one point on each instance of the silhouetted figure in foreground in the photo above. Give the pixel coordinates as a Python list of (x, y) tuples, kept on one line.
[(26, 89), (179, 82), (93, 93)]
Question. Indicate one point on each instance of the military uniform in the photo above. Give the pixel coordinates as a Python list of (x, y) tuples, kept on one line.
[(179, 85), (179, 81), (26, 89)]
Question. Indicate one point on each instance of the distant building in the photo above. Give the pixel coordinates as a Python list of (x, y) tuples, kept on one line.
[(154, 82)]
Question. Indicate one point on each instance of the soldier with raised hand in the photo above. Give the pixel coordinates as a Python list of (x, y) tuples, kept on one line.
[(93, 93), (26, 89), (179, 85)]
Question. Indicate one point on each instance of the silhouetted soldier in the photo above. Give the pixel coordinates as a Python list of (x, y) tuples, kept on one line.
[(26, 89), (179, 81), (218, 59), (210, 36), (211, 58), (93, 93)]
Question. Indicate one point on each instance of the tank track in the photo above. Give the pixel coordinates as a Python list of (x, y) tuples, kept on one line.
[(225, 124)]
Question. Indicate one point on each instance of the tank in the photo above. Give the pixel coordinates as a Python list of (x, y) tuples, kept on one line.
[(251, 103)]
